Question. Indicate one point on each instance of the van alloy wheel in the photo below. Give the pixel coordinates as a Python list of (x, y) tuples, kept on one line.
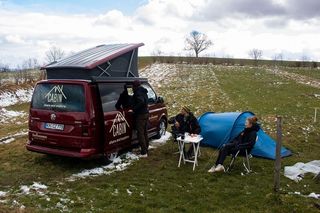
[(109, 157), (162, 128)]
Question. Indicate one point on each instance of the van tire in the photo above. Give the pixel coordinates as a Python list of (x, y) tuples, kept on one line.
[(108, 158), (162, 128)]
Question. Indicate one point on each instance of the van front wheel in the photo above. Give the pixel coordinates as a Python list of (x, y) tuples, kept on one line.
[(162, 128)]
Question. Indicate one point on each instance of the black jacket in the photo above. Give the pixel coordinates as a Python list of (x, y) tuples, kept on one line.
[(180, 119), (140, 101), (124, 101), (247, 138), (188, 124), (192, 125)]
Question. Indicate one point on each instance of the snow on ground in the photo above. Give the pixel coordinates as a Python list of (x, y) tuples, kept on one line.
[(119, 163), (7, 116), (11, 138), (159, 74), (3, 194), (37, 188), (314, 195), (301, 79), (311, 195), (18, 96)]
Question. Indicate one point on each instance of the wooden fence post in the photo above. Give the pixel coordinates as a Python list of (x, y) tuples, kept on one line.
[(277, 165)]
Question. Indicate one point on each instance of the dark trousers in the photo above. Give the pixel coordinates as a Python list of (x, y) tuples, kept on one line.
[(227, 149), (141, 123)]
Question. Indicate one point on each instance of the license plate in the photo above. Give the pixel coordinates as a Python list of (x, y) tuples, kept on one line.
[(54, 126)]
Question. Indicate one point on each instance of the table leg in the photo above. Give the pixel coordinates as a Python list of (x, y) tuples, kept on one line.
[(181, 152), (196, 151)]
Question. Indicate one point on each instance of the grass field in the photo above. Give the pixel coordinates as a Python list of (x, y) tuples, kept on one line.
[(156, 184)]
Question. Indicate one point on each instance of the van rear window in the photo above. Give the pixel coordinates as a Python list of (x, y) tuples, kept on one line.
[(59, 97)]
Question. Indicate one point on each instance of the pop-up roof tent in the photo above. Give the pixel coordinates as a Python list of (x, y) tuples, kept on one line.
[(220, 128), (113, 60)]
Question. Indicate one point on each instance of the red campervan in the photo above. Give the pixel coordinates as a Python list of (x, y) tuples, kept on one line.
[(74, 113)]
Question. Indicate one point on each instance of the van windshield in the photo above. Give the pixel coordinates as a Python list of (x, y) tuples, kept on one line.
[(59, 97)]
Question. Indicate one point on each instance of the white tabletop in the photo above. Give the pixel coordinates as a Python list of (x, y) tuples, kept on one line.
[(190, 139)]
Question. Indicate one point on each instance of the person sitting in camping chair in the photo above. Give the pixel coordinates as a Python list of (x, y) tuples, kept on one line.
[(245, 140)]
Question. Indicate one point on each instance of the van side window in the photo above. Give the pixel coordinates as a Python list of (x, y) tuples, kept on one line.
[(109, 94), (152, 97)]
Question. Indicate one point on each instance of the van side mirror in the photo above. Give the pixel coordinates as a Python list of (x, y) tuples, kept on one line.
[(160, 100)]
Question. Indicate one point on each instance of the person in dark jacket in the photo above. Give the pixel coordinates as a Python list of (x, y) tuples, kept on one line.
[(124, 100), (178, 124), (245, 140), (141, 116), (186, 122)]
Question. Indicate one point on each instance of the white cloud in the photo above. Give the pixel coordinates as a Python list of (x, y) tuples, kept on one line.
[(163, 25), (15, 39)]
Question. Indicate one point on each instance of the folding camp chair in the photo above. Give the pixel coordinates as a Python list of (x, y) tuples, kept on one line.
[(246, 154)]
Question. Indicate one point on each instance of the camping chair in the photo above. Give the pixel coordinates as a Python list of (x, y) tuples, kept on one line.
[(246, 154)]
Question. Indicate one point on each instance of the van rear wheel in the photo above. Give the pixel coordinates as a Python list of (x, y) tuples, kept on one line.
[(162, 128), (109, 157)]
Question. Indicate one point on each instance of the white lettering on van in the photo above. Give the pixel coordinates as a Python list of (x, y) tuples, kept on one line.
[(55, 95), (119, 125)]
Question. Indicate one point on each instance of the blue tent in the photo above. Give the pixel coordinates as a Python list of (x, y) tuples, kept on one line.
[(221, 128)]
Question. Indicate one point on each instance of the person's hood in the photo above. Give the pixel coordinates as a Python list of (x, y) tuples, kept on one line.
[(255, 127), (141, 90)]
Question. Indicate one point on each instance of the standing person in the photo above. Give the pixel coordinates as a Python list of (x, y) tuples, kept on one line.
[(245, 140), (141, 116)]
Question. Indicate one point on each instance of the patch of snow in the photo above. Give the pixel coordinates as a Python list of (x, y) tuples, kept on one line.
[(314, 195), (163, 139), (117, 164), (11, 138), (129, 192), (3, 194), (35, 187), (18, 96), (10, 115), (297, 171), (25, 189)]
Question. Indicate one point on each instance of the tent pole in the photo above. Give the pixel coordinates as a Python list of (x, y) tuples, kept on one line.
[(277, 165)]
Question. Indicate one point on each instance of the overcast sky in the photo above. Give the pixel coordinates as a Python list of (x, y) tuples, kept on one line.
[(30, 27)]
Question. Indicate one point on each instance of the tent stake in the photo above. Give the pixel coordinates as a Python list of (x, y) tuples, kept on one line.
[(277, 165)]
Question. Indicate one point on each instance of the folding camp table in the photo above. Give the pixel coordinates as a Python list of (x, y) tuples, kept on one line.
[(195, 142)]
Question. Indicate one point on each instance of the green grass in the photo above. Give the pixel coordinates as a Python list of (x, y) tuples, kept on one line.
[(157, 185)]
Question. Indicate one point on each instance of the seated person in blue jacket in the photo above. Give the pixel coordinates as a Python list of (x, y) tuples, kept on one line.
[(245, 140), (184, 122)]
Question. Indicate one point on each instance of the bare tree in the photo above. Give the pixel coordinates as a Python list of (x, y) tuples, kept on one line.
[(54, 54), (197, 42), (255, 54)]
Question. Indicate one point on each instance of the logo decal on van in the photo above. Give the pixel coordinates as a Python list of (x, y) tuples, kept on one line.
[(119, 125), (56, 94)]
